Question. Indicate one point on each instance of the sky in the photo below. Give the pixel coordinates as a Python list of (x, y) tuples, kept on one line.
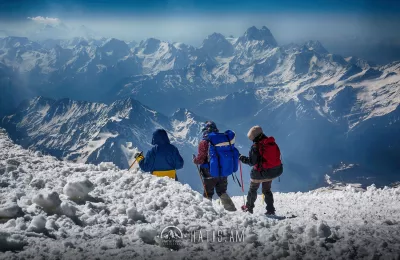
[(365, 27)]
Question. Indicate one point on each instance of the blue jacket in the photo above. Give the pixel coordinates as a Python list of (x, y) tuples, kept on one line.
[(163, 156), (223, 155)]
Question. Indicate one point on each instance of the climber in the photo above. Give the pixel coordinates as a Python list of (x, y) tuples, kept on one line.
[(218, 158), (265, 157), (163, 159)]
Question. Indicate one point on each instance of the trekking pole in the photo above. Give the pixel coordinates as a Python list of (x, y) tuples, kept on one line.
[(202, 181), (132, 164), (241, 179), (241, 175)]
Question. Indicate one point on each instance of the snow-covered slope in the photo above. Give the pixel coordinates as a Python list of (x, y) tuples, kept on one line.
[(55, 209)]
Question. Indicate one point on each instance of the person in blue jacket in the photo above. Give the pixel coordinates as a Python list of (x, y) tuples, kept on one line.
[(163, 159)]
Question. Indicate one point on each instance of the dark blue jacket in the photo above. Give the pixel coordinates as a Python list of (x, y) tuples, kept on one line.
[(163, 156)]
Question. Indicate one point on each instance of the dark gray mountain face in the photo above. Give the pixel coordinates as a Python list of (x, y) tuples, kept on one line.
[(322, 108)]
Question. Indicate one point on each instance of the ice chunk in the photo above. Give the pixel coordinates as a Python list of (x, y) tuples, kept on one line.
[(147, 234), (14, 162), (50, 202), (119, 243), (51, 225), (68, 209), (68, 244), (134, 214), (324, 230), (20, 224), (38, 183), (10, 210), (105, 166), (10, 242), (38, 224), (11, 168), (78, 189)]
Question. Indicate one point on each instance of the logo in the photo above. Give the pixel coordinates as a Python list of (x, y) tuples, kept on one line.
[(171, 237)]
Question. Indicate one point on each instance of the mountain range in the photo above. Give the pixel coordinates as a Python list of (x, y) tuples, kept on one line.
[(88, 132), (324, 109)]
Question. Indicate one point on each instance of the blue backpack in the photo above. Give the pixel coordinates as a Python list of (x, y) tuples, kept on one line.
[(224, 157)]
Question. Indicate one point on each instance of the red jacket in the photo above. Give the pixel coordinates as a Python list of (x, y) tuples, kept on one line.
[(202, 156)]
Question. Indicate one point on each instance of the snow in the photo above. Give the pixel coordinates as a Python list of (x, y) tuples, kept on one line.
[(123, 212), (48, 201), (78, 189), (95, 144), (133, 214), (38, 224), (254, 58), (129, 151), (10, 242), (9, 210)]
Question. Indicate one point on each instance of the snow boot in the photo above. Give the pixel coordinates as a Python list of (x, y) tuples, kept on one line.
[(270, 213), (246, 209), (227, 202)]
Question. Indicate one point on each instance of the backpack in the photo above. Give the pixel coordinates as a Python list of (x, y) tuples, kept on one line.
[(270, 154), (223, 156)]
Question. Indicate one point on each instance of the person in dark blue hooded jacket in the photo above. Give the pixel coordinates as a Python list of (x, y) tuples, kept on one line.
[(163, 159)]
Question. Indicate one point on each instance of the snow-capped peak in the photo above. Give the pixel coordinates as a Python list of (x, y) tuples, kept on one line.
[(183, 114), (315, 46), (215, 37), (115, 45), (263, 34), (217, 45), (150, 45)]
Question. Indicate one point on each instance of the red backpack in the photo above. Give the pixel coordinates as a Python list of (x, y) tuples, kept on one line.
[(270, 154)]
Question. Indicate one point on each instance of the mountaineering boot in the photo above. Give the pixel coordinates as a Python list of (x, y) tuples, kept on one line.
[(270, 213), (246, 209), (227, 202)]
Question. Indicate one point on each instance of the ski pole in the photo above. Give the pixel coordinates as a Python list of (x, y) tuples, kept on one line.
[(241, 175), (241, 179), (202, 181)]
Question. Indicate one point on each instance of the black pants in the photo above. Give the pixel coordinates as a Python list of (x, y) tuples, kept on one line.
[(266, 190), (219, 184)]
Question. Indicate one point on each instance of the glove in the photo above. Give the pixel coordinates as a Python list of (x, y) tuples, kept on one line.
[(242, 158), (139, 156)]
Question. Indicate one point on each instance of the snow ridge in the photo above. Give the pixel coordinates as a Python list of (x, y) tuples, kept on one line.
[(119, 214)]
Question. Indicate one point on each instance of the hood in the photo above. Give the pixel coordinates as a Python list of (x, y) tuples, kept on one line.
[(270, 139), (255, 133), (263, 137), (160, 137)]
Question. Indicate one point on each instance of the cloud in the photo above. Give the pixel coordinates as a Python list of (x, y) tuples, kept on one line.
[(45, 20)]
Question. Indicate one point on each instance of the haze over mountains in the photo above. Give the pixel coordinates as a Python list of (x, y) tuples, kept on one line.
[(322, 108), (93, 132)]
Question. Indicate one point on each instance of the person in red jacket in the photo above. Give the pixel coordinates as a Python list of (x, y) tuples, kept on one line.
[(264, 156)]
